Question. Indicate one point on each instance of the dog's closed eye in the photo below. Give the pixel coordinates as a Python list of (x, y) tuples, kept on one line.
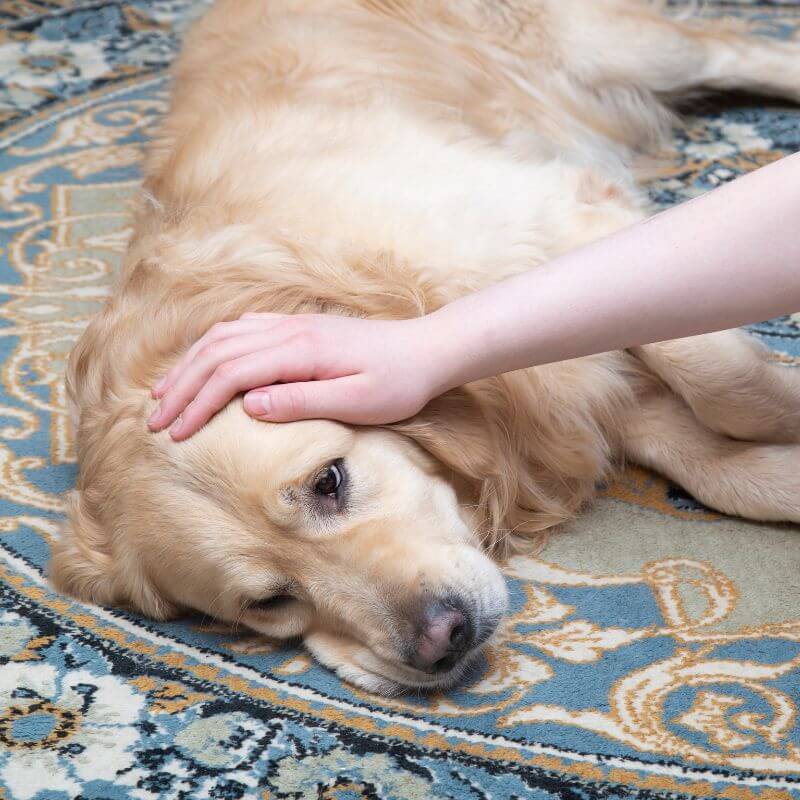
[(275, 602)]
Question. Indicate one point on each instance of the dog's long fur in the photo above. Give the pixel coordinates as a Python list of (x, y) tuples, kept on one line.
[(380, 158)]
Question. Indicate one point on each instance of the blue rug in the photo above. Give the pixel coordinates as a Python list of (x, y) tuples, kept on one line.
[(653, 650)]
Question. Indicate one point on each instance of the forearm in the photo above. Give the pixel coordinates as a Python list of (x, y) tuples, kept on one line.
[(725, 259)]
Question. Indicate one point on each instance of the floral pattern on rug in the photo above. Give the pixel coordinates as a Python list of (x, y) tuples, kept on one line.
[(49, 56), (652, 651)]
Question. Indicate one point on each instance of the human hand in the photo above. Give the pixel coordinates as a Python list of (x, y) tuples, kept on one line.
[(304, 366)]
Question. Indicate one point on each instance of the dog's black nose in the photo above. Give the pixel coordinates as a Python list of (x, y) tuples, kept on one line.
[(445, 634)]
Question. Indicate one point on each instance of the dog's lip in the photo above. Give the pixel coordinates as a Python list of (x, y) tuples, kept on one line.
[(413, 678)]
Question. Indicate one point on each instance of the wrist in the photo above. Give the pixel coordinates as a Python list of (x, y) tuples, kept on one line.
[(446, 350)]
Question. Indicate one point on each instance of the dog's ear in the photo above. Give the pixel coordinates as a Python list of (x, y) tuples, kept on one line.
[(471, 431), (81, 564), (85, 565), (521, 478), (455, 430)]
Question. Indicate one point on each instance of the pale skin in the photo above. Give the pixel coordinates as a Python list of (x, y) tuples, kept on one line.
[(725, 259)]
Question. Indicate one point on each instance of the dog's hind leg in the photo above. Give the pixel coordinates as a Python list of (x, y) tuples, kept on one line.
[(756, 481), (611, 43), (730, 384)]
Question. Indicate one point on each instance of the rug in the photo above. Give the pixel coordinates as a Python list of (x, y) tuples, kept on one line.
[(653, 650)]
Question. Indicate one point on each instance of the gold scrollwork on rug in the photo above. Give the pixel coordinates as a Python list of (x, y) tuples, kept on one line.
[(65, 242), (542, 631), (637, 702)]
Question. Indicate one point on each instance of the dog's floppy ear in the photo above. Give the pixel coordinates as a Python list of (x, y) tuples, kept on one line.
[(453, 428), (84, 565), (471, 432)]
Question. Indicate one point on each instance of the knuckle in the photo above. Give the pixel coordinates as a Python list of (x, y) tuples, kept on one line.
[(291, 324), (226, 372), (305, 338), (291, 401), (301, 323), (209, 351), (209, 336)]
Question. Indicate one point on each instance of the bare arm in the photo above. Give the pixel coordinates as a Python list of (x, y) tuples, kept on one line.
[(725, 259), (721, 260)]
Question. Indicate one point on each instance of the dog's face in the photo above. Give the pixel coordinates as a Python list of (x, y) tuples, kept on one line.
[(345, 537)]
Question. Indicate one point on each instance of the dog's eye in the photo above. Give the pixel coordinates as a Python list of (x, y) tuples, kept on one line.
[(273, 603), (329, 481)]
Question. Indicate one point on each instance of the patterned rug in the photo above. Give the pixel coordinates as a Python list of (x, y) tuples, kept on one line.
[(653, 650)]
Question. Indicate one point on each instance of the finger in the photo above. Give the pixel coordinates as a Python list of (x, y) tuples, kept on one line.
[(218, 332), (340, 398), (237, 376), (222, 330), (195, 374)]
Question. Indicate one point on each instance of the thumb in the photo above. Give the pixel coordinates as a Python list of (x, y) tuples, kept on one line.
[(286, 402)]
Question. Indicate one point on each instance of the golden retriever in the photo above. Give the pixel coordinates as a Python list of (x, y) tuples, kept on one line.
[(380, 158)]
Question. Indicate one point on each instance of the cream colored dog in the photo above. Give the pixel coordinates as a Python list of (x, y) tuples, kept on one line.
[(379, 158)]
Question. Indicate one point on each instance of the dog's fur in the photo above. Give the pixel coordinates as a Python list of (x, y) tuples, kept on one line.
[(380, 158)]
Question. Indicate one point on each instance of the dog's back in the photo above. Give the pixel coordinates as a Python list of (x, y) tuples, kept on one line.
[(375, 132)]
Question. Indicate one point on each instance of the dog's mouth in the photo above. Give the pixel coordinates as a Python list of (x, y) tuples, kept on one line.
[(443, 651)]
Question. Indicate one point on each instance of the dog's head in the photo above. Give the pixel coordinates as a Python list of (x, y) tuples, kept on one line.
[(350, 538)]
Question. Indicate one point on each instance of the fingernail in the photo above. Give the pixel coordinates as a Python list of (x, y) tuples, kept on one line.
[(160, 385), (153, 418), (256, 403), (176, 427)]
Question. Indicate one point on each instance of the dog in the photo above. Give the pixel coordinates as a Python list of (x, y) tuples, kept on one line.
[(379, 158)]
